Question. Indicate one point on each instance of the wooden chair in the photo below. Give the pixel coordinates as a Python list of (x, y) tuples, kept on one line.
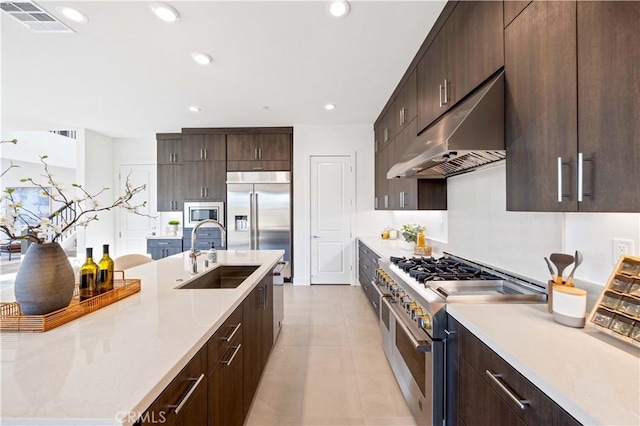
[(129, 261)]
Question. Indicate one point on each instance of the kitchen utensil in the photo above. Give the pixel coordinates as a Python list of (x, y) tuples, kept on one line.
[(561, 261), (577, 261), (553, 274)]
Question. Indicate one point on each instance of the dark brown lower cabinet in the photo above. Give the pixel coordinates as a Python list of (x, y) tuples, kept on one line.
[(225, 351), (489, 388), (184, 401)]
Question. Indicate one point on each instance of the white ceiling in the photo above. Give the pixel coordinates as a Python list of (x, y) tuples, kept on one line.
[(127, 74)]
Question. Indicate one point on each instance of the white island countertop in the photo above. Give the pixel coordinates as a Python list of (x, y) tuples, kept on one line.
[(100, 368), (594, 377)]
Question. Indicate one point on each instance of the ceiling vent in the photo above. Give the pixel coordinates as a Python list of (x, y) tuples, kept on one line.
[(34, 17)]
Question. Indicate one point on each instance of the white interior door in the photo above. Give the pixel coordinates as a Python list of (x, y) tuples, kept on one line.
[(135, 228), (331, 211)]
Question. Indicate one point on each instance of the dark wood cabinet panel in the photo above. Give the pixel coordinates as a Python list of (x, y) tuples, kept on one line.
[(475, 46), (267, 320), (541, 110), (274, 147), (431, 73), (432, 194), (242, 147), (204, 147), (194, 412), (205, 180), (512, 8), (252, 354), (482, 401), (258, 166), (169, 148), (608, 104), (170, 187), (381, 182)]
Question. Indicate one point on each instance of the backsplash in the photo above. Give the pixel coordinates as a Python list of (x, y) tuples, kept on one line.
[(478, 227)]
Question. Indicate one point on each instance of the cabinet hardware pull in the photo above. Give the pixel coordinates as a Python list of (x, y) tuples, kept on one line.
[(260, 153), (266, 297), (522, 403), (163, 244), (205, 153), (580, 176), (257, 168), (386, 134), (376, 202), (237, 348), (448, 332), (559, 179), (386, 201), (440, 94), (188, 395), (255, 153), (233, 333), (206, 192), (446, 97)]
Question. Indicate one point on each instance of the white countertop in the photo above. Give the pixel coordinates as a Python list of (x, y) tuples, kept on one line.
[(594, 377), (164, 237), (388, 248), (98, 368)]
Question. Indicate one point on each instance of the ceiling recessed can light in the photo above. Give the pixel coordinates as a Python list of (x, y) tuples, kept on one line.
[(201, 58), (338, 8), (165, 12), (73, 14), (194, 109), (329, 107)]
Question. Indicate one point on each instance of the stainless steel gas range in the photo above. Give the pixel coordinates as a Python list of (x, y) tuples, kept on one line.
[(414, 293)]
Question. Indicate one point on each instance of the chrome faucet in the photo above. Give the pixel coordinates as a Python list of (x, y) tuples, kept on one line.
[(193, 255)]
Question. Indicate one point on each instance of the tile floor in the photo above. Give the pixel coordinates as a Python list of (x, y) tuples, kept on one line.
[(328, 367)]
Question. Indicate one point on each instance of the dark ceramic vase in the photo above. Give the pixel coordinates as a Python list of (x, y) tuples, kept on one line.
[(45, 280)]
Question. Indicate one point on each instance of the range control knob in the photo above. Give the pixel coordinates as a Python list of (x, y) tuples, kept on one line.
[(415, 314), (411, 309), (424, 321)]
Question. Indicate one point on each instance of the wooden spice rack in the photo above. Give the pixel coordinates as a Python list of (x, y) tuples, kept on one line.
[(617, 311), (12, 320)]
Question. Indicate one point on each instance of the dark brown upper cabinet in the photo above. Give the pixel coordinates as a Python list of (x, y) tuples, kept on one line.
[(467, 50), (262, 151), (572, 128), (381, 201), (541, 112), (205, 181), (204, 147), (609, 105), (512, 9), (169, 147)]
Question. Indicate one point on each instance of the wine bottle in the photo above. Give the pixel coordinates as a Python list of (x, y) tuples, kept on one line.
[(88, 275), (105, 271)]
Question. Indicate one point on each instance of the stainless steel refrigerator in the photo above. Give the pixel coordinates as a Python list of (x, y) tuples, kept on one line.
[(259, 211)]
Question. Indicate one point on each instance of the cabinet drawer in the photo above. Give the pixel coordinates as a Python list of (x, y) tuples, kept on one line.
[(168, 243), (540, 409), (181, 389), (229, 334)]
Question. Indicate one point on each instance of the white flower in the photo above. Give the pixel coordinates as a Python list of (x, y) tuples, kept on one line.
[(95, 204), (45, 221)]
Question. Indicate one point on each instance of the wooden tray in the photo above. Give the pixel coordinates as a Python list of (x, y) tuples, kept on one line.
[(609, 315), (12, 320)]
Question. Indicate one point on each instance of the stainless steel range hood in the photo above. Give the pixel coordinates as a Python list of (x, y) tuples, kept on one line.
[(470, 135)]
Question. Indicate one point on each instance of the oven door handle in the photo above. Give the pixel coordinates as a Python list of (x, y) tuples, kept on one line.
[(421, 345)]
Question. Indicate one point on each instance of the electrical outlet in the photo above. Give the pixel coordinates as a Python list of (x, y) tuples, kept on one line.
[(621, 247)]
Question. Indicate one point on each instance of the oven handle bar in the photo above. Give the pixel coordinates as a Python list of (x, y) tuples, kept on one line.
[(421, 345)]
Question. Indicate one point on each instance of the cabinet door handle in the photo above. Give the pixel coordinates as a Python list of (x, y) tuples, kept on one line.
[(376, 202), (205, 153), (206, 192), (257, 168), (260, 153), (559, 179), (255, 153), (266, 297), (522, 403), (233, 333), (446, 97), (163, 244), (386, 201), (580, 176), (230, 360), (182, 403), (440, 94)]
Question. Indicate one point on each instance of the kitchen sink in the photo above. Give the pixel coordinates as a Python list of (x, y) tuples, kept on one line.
[(224, 276)]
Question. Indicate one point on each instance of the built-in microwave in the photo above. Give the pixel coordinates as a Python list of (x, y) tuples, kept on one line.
[(194, 212)]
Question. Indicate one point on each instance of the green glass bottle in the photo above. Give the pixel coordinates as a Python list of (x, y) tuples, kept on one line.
[(88, 275), (105, 271)]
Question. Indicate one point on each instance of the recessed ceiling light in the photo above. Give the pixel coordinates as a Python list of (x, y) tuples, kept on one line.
[(194, 109), (329, 107), (73, 14), (265, 107), (338, 8), (165, 12), (201, 58)]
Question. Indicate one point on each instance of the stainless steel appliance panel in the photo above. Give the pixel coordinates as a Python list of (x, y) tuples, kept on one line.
[(272, 222), (196, 211), (239, 216), (280, 272)]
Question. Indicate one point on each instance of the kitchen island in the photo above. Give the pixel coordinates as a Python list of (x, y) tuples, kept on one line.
[(109, 366)]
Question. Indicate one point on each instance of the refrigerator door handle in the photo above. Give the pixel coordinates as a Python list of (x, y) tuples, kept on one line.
[(251, 221), (255, 220)]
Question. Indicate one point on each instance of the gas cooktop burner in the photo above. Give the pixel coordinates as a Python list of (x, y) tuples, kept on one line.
[(425, 269)]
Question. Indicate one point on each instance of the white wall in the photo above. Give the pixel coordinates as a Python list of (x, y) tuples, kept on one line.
[(60, 149), (352, 140), (95, 171)]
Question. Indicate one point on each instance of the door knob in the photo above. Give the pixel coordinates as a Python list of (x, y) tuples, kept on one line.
[(315, 236)]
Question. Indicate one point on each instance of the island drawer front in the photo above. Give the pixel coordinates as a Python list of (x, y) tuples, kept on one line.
[(163, 409), (229, 334), (168, 243), (540, 408)]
